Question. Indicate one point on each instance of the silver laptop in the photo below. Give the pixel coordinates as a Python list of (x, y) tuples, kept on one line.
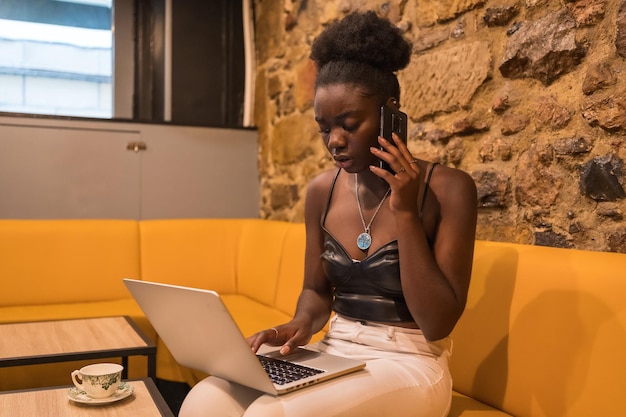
[(201, 334)]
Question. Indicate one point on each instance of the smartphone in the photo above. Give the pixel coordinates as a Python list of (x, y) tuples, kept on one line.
[(392, 121)]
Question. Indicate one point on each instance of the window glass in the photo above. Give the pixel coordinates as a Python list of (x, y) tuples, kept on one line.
[(56, 57)]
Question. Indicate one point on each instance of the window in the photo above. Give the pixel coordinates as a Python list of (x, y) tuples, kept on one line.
[(179, 61), (56, 57)]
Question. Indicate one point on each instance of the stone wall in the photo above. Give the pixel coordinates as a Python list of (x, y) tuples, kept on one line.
[(527, 96)]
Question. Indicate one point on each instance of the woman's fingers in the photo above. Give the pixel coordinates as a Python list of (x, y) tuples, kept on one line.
[(404, 151), (287, 337), (399, 159), (269, 336)]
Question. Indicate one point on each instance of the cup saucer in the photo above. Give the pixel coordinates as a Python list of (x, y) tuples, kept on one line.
[(79, 396)]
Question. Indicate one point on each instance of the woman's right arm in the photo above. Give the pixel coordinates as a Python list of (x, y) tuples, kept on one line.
[(314, 304)]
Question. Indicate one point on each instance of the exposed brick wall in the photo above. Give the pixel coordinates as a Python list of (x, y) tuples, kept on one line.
[(527, 96)]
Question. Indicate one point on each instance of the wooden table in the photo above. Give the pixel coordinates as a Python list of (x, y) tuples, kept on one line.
[(75, 339), (145, 401)]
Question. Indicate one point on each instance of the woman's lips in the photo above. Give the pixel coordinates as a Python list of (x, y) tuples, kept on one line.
[(342, 161)]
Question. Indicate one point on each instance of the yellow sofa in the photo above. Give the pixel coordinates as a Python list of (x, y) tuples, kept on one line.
[(58, 269), (542, 334)]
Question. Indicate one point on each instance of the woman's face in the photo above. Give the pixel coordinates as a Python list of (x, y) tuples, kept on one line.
[(349, 123)]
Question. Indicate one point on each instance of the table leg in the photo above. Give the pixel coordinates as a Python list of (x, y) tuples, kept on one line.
[(152, 366), (125, 365)]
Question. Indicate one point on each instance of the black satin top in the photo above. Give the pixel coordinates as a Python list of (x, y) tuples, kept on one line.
[(369, 289)]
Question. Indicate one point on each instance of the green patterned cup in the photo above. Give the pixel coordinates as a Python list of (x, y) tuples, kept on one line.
[(100, 380)]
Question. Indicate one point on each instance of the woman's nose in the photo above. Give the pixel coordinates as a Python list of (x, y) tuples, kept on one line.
[(335, 140)]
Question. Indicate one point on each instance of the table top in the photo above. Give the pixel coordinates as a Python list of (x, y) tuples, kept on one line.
[(45, 339), (145, 401)]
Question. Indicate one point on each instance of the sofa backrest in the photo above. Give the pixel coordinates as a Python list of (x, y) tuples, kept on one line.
[(198, 253), (261, 259), (291, 273), (260, 256), (544, 331), (64, 261)]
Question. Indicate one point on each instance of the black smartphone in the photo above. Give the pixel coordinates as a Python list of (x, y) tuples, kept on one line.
[(392, 121)]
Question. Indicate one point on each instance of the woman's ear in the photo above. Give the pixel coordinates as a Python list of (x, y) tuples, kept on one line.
[(393, 103)]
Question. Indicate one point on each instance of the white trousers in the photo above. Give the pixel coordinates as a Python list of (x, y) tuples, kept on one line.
[(405, 376)]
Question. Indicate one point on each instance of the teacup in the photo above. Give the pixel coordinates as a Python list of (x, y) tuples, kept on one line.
[(100, 380)]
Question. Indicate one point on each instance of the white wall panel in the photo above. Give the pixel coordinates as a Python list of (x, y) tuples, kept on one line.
[(54, 168)]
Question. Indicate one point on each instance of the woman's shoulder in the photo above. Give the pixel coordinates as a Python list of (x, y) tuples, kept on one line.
[(449, 173), (449, 182), (317, 194), (322, 182)]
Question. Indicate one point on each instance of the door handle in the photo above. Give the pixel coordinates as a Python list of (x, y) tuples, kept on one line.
[(136, 146)]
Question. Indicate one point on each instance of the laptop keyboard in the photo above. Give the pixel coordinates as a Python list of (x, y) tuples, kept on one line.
[(282, 372)]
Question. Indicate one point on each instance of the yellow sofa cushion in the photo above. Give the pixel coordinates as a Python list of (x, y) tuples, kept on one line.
[(198, 253), (544, 331), (464, 406), (291, 270), (66, 261), (261, 247)]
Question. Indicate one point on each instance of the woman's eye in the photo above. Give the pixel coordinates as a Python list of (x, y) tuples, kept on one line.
[(350, 128)]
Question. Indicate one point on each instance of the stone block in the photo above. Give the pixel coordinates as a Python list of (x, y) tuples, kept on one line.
[(445, 80)]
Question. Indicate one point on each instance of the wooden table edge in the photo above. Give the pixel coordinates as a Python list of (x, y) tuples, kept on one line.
[(151, 387), (149, 350)]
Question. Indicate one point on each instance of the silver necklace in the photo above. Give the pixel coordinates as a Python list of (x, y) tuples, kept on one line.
[(364, 240)]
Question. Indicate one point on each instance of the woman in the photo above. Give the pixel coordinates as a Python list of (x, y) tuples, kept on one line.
[(389, 252)]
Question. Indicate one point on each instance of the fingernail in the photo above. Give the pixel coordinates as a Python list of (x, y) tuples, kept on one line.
[(284, 350)]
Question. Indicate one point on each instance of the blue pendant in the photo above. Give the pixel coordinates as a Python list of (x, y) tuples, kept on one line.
[(364, 241)]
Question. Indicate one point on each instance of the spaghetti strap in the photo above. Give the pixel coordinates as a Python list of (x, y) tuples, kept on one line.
[(330, 195), (430, 174)]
